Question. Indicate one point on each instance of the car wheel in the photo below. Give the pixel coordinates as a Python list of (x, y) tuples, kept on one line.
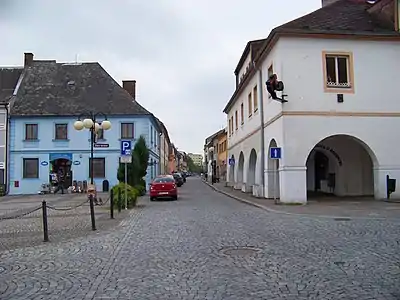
[(152, 199), (175, 198)]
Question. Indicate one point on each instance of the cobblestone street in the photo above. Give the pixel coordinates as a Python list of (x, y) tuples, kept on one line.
[(209, 246)]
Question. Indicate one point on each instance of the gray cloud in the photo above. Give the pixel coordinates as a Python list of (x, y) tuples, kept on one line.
[(182, 53)]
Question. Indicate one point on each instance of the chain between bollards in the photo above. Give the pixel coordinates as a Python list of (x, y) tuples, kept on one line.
[(92, 212), (45, 226)]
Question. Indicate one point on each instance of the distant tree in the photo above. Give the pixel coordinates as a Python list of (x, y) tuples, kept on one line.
[(137, 169), (192, 167)]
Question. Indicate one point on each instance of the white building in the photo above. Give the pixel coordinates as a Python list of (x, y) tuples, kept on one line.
[(339, 130), (196, 158)]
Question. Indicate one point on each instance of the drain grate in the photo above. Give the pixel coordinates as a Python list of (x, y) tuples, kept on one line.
[(240, 251), (342, 219)]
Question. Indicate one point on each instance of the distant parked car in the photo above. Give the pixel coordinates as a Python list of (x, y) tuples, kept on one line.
[(163, 187), (178, 179)]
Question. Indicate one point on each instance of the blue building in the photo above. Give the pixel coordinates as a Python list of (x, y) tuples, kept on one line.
[(51, 96)]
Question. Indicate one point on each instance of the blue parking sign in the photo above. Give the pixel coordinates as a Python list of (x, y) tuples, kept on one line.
[(126, 148)]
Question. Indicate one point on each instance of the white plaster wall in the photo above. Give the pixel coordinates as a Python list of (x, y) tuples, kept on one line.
[(376, 74)]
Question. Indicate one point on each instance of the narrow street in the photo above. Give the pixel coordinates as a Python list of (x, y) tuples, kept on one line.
[(209, 246)]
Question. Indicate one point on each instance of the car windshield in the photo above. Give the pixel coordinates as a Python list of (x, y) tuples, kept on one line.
[(163, 180)]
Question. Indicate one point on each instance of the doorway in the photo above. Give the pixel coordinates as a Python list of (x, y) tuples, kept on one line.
[(321, 169), (63, 165)]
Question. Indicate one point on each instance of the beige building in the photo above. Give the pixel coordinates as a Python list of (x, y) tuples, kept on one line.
[(196, 158), (164, 149)]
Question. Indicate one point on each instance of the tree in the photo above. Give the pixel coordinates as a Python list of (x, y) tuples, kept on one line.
[(137, 169), (192, 167)]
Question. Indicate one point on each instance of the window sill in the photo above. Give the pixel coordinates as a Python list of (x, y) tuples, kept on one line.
[(31, 141), (30, 178), (60, 140), (124, 139), (339, 90)]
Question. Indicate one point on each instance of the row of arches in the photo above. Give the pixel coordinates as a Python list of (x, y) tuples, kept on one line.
[(339, 165)]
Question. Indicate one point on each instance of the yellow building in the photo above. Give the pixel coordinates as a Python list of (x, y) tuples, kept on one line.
[(222, 157)]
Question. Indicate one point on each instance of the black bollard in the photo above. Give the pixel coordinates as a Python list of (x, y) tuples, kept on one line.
[(111, 204), (45, 227), (92, 217)]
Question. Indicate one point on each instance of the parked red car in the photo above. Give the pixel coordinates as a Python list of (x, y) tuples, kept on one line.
[(163, 187)]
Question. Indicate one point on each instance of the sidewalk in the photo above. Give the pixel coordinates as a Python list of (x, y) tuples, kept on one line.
[(329, 207)]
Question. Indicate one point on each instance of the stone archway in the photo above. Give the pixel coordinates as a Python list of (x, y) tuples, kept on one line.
[(341, 165), (231, 176), (240, 170), (251, 172), (273, 173)]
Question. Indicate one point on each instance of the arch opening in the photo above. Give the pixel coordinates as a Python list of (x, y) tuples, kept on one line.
[(240, 168), (273, 173), (340, 165), (251, 172)]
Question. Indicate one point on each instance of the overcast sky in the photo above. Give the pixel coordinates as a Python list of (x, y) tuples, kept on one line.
[(181, 52)]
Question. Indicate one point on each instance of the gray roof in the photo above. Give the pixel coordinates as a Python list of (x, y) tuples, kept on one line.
[(49, 88), (8, 81)]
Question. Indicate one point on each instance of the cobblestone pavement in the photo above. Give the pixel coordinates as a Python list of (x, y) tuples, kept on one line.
[(191, 249), (68, 217), (326, 206)]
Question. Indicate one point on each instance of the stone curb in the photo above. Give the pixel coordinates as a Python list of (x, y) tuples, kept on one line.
[(290, 213)]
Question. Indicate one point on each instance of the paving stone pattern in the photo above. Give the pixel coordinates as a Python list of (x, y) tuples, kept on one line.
[(191, 249), (64, 223)]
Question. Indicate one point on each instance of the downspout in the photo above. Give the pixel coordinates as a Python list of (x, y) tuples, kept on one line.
[(262, 139), (7, 173)]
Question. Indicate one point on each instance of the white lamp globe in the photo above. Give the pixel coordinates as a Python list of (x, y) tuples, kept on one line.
[(97, 127), (78, 125), (88, 123), (106, 125)]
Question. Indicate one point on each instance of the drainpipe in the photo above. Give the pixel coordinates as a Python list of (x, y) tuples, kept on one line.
[(262, 140), (7, 172)]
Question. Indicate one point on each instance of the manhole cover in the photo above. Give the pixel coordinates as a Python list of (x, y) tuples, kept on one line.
[(342, 219), (240, 251)]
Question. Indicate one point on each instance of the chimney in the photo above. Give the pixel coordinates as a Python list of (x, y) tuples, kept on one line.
[(130, 87), (28, 59), (327, 2)]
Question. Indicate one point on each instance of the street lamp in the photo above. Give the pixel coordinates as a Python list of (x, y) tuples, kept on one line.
[(90, 122)]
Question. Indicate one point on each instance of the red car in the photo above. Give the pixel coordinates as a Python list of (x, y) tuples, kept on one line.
[(163, 187)]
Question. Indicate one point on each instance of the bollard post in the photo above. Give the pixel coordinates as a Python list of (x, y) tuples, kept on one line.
[(119, 200), (92, 217), (45, 227), (111, 204)]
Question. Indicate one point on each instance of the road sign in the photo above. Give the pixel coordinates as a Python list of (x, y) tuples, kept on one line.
[(126, 147), (97, 145), (275, 153), (126, 159)]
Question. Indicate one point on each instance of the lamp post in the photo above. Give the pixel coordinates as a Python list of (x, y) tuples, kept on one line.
[(90, 122)]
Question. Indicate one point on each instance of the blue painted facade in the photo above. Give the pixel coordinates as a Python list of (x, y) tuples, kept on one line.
[(76, 149)]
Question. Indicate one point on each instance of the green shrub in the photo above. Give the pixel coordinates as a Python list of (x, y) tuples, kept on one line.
[(131, 192), (141, 189)]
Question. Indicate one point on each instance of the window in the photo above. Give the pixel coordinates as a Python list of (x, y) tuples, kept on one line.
[(99, 167), (31, 168), (242, 113), (100, 134), (232, 124), (236, 120), (249, 100), (151, 135), (229, 126), (127, 131), (61, 132), (338, 71), (255, 98), (31, 131)]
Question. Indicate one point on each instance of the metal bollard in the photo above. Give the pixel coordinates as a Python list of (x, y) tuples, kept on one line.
[(45, 227), (119, 200), (111, 204), (92, 217)]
